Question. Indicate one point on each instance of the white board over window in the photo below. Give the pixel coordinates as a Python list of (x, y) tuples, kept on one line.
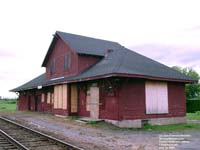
[(156, 97)]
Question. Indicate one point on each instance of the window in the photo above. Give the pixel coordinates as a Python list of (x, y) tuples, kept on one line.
[(60, 96), (52, 66), (88, 102), (156, 97), (43, 97), (48, 98), (67, 62)]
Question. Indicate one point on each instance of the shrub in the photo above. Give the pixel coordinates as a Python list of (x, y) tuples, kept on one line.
[(193, 106)]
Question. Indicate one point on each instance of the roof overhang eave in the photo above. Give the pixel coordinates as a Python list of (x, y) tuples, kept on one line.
[(131, 76), (111, 75)]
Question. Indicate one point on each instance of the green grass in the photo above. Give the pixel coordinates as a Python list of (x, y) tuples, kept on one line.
[(194, 116), (148, 127), (169, 128), (7, 105), (73, 117), (93, 123)]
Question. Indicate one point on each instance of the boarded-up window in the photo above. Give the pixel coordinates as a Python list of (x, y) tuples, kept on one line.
[(60, 96), (94, 102), (48, 97), (88, 103), (67, 62), (55, 105), (74, 99), (43, 97), (156, 97), (52, 66), (64, 96), (52, 98)]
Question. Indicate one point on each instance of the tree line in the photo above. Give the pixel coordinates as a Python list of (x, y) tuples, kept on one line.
[(192, 90)]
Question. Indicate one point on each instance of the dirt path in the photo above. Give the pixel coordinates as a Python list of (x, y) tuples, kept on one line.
[(100, 137)]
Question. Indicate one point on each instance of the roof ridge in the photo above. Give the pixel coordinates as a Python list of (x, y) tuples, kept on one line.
[(78, 35)]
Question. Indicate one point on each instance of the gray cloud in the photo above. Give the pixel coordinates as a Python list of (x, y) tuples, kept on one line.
[(189, 57), (155, 51), (170, 55)]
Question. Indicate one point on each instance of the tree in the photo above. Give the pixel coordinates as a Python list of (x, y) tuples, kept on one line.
[(192, 90)]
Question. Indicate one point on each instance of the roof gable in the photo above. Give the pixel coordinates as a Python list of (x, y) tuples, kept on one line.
[(51, 47), (88, 45), (82, 45)]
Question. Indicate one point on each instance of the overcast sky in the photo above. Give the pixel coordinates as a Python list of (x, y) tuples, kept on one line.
[(165, 30)]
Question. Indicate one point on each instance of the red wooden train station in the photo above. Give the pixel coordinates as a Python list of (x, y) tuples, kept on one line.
[(102, 79)]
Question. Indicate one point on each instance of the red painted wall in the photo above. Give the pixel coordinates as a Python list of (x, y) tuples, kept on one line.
[(85, 61), (32, 102), (109, 106), (58, 53), (78, 62), (27, 101), (82, 102), (127, 103), (47, 107), (107, 111), (39, 103), (22, 102), (177, 99), (132, 100), (62, 112)]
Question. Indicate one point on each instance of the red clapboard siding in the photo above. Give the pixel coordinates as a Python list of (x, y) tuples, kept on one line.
[(58, 53), (22, 102), (82, 104), (132, 101), (85, 61), (78, 62)]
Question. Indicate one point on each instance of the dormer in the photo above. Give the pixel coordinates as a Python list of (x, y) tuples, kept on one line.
[(70, 54)]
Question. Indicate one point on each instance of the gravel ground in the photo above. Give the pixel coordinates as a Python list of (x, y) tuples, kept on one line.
[(100, 137)]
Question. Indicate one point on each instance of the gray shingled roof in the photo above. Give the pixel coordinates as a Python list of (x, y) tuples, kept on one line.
[(88, 45), (119, 61), (40, 80), (125, 61)]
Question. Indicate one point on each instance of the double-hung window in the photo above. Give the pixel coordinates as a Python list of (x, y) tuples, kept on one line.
[(67, 62), (52, 66)]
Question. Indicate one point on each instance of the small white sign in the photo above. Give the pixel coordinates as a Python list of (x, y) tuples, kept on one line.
[(39, 87)]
